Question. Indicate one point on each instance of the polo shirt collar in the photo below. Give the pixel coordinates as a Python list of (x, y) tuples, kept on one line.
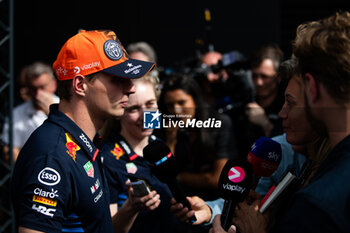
[(127, 148), (59, 118)]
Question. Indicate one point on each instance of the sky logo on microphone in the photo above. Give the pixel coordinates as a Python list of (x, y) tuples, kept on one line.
[(151, 119), (236, 174)]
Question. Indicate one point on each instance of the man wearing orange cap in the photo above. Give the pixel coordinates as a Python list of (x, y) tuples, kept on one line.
[(58, 183)]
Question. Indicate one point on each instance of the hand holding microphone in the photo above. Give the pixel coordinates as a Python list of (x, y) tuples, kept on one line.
[(237, 177), (234, 185), (163, 165), (200, 209)]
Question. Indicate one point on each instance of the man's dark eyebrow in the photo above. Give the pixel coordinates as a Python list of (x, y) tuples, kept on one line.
[(289, 95), (150, 100)]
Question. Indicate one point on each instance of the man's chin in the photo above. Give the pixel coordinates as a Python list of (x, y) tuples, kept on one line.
[(300, 149), (316, 123), (263, 94), (146, 131), (117, 113)]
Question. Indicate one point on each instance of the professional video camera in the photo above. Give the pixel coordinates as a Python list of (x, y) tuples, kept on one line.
[(235, 91)]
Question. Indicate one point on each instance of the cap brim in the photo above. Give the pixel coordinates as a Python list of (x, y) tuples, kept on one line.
[(131, 69)]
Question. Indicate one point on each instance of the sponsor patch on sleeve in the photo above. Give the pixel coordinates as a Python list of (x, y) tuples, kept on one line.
[(45, 200)]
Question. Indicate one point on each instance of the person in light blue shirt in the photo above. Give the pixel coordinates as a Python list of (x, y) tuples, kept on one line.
[(290, 161)]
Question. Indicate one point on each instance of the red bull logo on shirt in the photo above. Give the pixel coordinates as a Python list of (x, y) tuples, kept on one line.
[(117, 151), (72, 146)]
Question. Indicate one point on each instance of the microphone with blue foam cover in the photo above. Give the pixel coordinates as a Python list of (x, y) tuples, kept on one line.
[(264, 156), (263, 159)]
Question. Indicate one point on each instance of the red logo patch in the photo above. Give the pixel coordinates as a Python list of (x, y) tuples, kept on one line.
[(72, 146), (117, 151)]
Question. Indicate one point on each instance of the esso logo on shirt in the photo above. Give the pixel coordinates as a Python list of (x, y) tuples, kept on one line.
[(49, 176)]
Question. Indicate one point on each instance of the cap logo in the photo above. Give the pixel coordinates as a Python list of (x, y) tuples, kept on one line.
[(77, 70), (112, 50), (60, 71), (133, 69)]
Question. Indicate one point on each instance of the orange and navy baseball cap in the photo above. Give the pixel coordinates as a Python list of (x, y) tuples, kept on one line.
[(100, 50)]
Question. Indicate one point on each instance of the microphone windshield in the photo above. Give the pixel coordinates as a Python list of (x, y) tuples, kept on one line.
[(162, 161), (265, 156), (235, 180), (163, 165)]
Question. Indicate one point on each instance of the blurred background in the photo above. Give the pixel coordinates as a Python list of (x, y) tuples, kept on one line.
[(176, 29)]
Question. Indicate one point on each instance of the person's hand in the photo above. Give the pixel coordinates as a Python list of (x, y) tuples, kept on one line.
[(248, 219), (256, 115), (199, 208), (43, 100), (253, 197), (150, 201), (217, 228)]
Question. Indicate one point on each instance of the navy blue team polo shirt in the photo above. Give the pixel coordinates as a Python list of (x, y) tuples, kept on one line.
[(58, 183), (121, 162)]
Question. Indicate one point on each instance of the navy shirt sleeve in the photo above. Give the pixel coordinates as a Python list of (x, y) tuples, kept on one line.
[(44, 193), (58, 184)]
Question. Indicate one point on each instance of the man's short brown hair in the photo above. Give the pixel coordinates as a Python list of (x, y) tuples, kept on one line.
[(323, 50)]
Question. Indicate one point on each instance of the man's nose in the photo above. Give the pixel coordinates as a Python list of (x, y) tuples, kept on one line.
[(282, 114), (259, 81), (129, 87), (177, 109)]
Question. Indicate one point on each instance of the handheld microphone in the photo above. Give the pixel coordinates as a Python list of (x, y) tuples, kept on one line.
[(238, 177), (234, 185), (264, 156), (163, 165)]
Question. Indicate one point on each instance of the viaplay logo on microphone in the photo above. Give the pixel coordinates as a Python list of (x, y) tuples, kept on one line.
[(235, 180), (236, 175), (155, 120)]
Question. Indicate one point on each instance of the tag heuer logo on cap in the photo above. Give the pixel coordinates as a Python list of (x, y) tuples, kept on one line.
[(112, 50)]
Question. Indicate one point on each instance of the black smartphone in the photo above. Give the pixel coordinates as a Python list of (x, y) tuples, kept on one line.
[(140, 188)]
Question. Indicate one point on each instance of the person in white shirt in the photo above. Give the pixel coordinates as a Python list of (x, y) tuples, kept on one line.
[(41, 85)]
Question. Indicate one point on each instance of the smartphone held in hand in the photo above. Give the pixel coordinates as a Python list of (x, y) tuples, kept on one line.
[(140, 188)]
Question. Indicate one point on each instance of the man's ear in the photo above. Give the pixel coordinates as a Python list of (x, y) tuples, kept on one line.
[(311, 86), (78, 85)]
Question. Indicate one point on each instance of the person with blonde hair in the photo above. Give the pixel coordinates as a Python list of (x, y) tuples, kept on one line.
[(123, 141)]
